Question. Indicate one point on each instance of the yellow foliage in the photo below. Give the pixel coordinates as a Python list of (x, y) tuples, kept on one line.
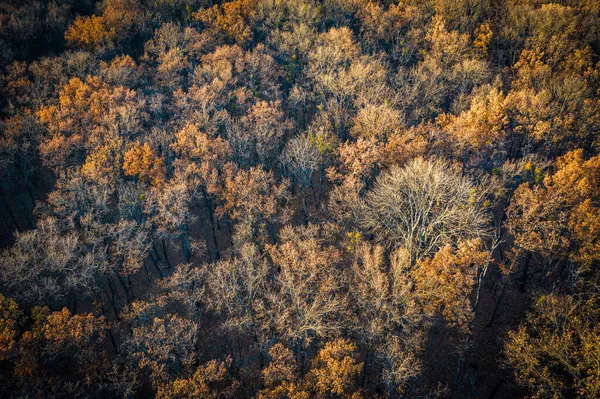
[(483, 37), (103, 162), (10, 318), (557, 351)]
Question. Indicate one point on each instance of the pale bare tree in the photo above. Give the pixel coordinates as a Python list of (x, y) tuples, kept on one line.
[(300, 159), (237, 288), (49, 262), (423, 206)]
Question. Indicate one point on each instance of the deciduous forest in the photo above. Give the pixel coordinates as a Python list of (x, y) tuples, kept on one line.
[(295, 199)]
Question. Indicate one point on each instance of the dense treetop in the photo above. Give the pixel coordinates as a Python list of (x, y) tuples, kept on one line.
[(300, 199)]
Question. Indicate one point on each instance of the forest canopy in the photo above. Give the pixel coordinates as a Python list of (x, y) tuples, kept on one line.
[(293, 199)]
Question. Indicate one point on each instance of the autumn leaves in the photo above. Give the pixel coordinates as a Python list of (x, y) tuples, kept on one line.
[(299, 199)]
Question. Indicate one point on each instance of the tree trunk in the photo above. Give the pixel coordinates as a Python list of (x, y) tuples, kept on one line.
[(523, 278), (185, 243), (164, 249), (211, 218)]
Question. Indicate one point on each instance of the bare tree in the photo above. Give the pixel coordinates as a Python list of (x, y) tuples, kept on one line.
[(423, 206), (300, 159), (307, 300), (48, 263), (237, 289)]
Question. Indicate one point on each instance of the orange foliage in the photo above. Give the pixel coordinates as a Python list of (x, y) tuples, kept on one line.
[(333, 373), (444, 283), (232, 18), (482, 125), (56, 335), (210, 381), (86, 113), (563, 213), (335, 370), (90, 33), (252, 194), (142, 161)]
